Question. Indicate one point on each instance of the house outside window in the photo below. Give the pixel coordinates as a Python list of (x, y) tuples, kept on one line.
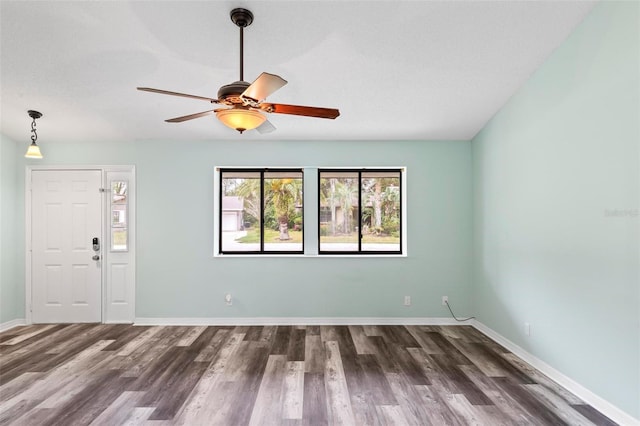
[(360, 211), (260, 211)]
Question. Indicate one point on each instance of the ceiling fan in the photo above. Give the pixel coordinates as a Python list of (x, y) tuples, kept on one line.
[(244, 102)]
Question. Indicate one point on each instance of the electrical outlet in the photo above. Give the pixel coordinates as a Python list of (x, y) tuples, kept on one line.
[(445, 300), (407, 301), (527, 328), (228, 299)]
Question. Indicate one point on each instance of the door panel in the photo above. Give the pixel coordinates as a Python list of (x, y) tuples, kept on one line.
[(66, 216)]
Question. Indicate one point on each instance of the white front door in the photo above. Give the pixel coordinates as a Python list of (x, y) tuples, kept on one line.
[(66, 217)]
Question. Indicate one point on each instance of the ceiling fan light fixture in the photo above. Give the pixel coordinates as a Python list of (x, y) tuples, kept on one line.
[(241, 119)]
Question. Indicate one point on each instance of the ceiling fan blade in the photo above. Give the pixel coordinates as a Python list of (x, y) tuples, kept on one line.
[(190, 116), (184, 95), (301, 110), (266, 127), (263, 86)]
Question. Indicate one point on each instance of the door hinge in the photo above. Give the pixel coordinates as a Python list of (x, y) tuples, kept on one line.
[(103, 190)]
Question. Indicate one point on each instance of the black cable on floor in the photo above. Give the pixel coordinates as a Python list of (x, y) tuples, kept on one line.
[(454, 315)]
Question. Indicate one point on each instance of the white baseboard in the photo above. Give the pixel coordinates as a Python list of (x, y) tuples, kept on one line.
[(13, 323), (597, 402), (296, 321)]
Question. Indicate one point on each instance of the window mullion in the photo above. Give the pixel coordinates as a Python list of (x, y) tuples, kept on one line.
[(360, 211), (400, 183), (262, 207), (220, 195)]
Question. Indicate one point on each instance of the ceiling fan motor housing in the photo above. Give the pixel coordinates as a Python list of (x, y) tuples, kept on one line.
[(230, 93)]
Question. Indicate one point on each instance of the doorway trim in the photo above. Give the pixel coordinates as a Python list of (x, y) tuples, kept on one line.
[(105, 286)]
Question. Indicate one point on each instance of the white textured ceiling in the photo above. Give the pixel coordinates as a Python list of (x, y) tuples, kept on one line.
[(397, 70)]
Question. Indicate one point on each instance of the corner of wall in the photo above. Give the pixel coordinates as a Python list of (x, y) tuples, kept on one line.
[(11, 283)]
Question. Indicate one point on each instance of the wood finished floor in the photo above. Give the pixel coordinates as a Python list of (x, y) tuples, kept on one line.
[(95, 374)]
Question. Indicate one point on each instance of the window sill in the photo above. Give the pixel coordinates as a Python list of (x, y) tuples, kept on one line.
[(320, 256)]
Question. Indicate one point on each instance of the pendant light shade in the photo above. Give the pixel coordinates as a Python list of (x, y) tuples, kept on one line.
[(34, 150), (241, 119)]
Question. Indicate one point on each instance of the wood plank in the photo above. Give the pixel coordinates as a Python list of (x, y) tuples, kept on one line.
[(119, 411), (425, 341), (253, 334), (268, 406), (138, 341), (540, 378), (458, 382), (293, 392), (594, 415), (84, 407), (28, 335), (179, 380), (191, 336), (256, 362), (339, 411), (361, 341), (385, 357), (378, 390), (469, 413), (416, 409), (313, 354), (528, 402), (314, 402), (559, 406), (391, 415), (507, 406), (57, 385), (296, 350), (281, 343), (207, 399), (511, 370), (215, 344), (138, 416)]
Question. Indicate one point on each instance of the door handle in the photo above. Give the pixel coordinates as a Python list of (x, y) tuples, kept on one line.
[(96, 257)]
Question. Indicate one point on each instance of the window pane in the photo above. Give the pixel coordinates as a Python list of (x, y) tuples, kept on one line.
[(381, 211), (118, 239), (240, 211), (283, 211), (119, 203), (339, 211)]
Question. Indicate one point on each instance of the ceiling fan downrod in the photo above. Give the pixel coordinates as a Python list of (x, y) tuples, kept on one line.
[(242, 18)]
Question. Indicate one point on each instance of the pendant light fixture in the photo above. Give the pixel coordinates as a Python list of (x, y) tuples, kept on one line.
[(34, 150)]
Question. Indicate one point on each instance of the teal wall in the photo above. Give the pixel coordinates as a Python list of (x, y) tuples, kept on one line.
[(177, 276), (11, 236), (556, 197)]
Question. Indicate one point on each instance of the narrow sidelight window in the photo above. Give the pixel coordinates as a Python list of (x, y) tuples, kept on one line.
[(119, 205), (261, 211), (360, 211)]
